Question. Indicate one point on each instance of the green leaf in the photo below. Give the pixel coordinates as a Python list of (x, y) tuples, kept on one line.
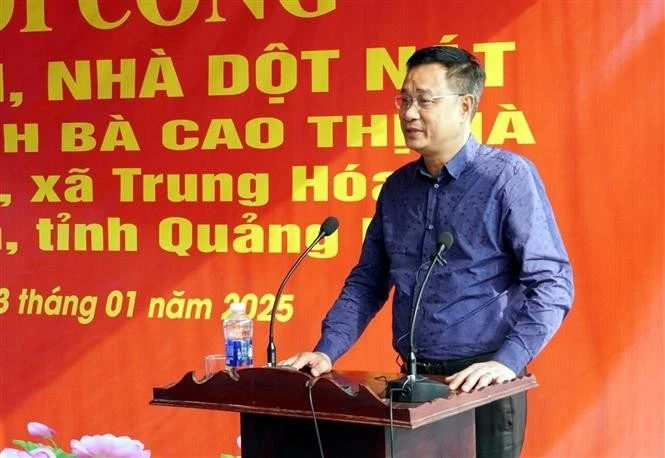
[(28, 445)]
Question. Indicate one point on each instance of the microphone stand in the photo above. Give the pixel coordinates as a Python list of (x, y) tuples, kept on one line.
[(327, 228), (413, 387), (272, 350)]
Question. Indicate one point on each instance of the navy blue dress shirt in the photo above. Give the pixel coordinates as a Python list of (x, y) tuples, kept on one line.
[(507, 284)]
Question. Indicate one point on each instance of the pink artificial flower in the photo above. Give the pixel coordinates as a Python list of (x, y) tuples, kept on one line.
[(40, 430), (39, 452), (108, 446), (14, 453)]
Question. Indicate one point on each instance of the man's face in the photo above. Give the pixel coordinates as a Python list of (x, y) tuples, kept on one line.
[(440, 123)]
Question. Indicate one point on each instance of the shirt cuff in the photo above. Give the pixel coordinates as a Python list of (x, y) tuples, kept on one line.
[(328, 347), (512, 356)]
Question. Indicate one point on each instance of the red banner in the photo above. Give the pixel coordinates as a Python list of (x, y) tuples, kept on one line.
[(162, 159)]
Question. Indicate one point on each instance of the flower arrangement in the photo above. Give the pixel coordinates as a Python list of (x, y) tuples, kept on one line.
[(98, 446)]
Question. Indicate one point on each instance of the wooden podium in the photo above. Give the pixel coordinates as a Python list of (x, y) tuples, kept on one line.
[(352, 412)]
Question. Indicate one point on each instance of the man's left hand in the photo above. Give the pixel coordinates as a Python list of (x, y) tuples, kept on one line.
[(479, 375)]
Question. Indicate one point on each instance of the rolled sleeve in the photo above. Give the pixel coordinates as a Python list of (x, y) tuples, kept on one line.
[(545, 270)]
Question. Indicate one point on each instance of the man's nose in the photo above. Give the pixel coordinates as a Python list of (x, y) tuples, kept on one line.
[(412, 112)]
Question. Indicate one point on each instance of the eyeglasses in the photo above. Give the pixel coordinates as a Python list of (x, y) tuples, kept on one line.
[(423, 102)]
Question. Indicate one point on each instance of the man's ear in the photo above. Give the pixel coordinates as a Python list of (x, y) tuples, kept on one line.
[(466, 106)]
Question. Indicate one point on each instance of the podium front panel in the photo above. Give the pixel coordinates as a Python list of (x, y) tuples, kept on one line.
[(270, 436)]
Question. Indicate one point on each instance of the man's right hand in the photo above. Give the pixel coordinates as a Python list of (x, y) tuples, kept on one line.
[(318, 363)]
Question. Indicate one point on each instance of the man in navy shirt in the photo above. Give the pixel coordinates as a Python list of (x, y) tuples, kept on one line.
[(507, 284)]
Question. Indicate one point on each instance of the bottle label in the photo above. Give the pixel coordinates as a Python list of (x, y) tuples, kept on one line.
[(239, 353)]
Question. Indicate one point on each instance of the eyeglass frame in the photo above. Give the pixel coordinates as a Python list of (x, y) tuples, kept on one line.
[(399, 98)]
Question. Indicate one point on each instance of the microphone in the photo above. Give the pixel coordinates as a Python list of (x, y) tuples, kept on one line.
[(443, 243), (412, 387), (328, 227)]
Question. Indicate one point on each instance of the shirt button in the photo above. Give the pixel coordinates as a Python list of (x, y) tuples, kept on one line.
[(430, 227), (436, 185)]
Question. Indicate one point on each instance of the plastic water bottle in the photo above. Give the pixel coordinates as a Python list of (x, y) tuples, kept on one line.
[(238, 328)]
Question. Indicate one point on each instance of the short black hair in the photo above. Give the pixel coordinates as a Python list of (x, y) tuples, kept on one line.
[(465, 74)]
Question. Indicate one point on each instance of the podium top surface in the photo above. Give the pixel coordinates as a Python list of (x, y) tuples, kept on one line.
[(350, 396)]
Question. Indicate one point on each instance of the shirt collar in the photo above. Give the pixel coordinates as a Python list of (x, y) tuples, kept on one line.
[(458, 163)]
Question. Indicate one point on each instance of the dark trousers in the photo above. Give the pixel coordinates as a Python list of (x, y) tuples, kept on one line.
[(500, 424)]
